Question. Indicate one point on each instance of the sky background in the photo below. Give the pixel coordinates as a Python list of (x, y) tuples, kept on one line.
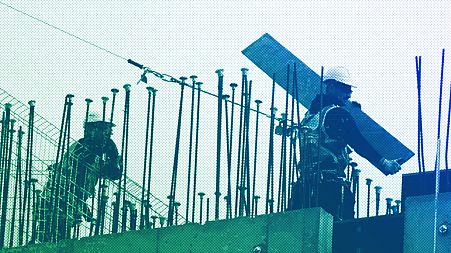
[(376, 40)]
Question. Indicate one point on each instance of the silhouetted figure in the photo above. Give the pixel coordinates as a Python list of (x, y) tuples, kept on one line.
[(93, 157)]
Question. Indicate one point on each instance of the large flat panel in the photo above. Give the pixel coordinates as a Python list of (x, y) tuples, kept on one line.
[(272, 58)]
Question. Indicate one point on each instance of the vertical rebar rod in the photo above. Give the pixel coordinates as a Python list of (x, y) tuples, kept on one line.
[(218, 141), (283, 153), (124, 155), (17, 186), (151, 155), (176, 156), (368, 200), (229, 160), (117, 202), (146, 145), (243, 167), (51, 221), (232, 117), (292, 145), (254, 174), (249, 198), (190, 149), (196, 149), (240, 130), (6, 179), (65, 231), (27, 176), (3, 145), (270, 177)]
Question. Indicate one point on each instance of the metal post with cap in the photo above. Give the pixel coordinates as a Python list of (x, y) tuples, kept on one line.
[(218, 141)]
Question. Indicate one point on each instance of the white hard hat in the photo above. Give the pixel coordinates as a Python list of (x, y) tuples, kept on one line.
[(94, 117), (339, 74)]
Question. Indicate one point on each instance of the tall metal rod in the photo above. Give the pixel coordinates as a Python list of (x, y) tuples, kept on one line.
[(317, 173), (270, 178), (3, 145), (4, 149), (62, 183), (124, 154), (149, 178), (27, 176), (17, 186), (283, 155), (230, 147), (196, 149), (6, 178), (99, 217), (117, 202), (245, 168), (149, 98), (243, 91), (176, 157), (284, 136), (51, 222), (298, 116), (77, 222), (114, 91), (420, 118), (368, 200), (2, 142), (190, 150), (218, 141), (254, 174), (242, 136), (440, 97), (229, 160), (65, 233), (247, 153), (292, 145)]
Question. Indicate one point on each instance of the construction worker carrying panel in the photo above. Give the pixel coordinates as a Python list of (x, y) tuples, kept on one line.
[(328, 136)]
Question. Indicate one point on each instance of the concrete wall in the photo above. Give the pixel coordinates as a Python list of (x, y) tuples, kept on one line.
[(308, 230), (419, 213)]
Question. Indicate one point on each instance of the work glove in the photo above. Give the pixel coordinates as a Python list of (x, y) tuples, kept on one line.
[(388, 167)]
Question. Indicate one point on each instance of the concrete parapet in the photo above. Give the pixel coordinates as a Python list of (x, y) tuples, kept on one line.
[(419, 230), (307, 230)]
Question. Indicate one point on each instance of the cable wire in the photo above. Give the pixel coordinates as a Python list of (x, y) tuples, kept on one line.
[(63, 31)]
